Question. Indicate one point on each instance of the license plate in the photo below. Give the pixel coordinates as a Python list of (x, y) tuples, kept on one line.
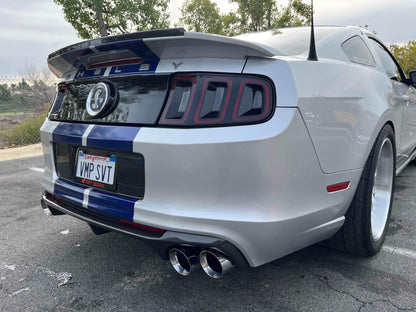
[(96, 168)]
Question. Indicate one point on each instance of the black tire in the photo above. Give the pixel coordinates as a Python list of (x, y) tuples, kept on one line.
[(357, 236)]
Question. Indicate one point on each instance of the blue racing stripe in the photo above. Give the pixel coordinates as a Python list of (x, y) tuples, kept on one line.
[(112, 138), (70, 133), (71, 192), (112, 205)]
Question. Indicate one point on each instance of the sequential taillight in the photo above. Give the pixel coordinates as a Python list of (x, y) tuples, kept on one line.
[(214, 101), (180, 98), (200, 100), (253, 101)]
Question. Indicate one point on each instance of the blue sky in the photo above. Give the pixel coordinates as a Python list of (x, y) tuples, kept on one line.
[(31, 29)]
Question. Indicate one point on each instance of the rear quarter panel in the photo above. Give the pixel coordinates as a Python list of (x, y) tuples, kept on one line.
[(344, 105)]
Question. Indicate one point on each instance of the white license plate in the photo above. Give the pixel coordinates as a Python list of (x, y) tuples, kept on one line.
[(96, 168)]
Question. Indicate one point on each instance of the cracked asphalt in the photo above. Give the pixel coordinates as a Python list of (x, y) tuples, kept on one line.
[(58, 264)]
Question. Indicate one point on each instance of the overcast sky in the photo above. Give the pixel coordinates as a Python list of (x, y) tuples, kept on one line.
[(31, 29)]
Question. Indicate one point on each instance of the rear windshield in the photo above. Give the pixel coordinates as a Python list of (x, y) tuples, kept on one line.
[(290, 41)]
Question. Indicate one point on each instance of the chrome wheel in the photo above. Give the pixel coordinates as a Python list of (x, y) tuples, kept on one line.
[(382, 189)]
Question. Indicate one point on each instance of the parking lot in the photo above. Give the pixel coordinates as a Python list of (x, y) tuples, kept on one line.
[(58, 264)]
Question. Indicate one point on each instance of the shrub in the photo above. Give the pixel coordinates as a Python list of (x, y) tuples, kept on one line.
[(26, 132)]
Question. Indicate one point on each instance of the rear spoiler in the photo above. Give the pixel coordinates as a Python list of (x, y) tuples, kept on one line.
[(141, 52)]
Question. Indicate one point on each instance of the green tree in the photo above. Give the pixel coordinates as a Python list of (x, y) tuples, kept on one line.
[(296, 13), (256, 15), (100, 18), (231, 24), (23, 85), (201, 16), (5, 93), (405, 55)]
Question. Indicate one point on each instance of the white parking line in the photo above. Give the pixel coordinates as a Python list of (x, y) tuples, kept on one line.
[(41, 170), (400, 251)]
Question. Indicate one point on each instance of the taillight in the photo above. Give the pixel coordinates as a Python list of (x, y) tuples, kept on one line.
[(216, 100), (179, 102), (253, 101)]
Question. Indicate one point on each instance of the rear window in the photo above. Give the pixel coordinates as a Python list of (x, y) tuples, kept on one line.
[(290, 41)]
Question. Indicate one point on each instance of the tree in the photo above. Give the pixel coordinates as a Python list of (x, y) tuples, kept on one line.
[(251, 15), (201, 16), (5, 93), (23, 85), (256, 15), (40, 82), (100, 18), (405, 55), (296, 13)]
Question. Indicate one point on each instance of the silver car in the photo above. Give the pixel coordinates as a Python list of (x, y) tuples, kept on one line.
[(223, 152)]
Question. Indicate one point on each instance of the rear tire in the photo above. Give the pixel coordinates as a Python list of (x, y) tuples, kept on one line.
[(365, 225)]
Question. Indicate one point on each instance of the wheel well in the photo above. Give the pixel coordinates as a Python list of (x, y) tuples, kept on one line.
[(390, 123)]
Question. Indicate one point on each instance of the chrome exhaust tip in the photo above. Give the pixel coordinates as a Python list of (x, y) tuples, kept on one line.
[(214, 264), (183, 261), (45, 208)]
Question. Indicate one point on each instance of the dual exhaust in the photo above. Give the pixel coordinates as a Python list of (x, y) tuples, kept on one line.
[(184, 261)]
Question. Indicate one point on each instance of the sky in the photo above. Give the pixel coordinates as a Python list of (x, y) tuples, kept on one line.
[(31, 29)]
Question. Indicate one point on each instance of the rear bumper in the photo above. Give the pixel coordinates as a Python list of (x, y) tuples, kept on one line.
[(161, 244), (259, 188)]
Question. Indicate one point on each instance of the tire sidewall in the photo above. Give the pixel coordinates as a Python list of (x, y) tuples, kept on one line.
[(375, 245)]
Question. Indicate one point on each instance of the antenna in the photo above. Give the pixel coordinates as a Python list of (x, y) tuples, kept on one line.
[(312, 48)]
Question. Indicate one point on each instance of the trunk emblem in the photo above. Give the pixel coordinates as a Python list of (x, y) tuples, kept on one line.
[(102, 99)]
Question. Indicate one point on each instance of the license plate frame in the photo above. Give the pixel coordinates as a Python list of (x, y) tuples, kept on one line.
[(98, 157)]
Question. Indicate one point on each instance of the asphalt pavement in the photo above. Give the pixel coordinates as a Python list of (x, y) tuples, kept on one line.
[(58, 264)]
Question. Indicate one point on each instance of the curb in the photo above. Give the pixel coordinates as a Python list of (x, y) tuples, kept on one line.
[(21, 152)]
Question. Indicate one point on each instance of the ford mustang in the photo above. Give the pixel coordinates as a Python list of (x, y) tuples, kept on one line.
[(223, 152)]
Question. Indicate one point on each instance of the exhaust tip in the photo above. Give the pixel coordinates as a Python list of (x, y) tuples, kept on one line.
[(45, 208), (215, 265), (183, 261)]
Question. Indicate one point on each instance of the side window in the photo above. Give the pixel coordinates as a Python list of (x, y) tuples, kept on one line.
[(357, 51), (389, 65)]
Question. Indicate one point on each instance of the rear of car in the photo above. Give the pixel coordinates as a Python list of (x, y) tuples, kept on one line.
[(192, 142)]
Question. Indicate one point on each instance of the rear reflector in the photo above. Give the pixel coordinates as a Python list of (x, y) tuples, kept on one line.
[(56, 199), (143, 227), (337, 187)]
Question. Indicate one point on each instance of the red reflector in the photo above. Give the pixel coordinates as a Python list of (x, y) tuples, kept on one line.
[(144, 227), (337, 187), (58, 200)]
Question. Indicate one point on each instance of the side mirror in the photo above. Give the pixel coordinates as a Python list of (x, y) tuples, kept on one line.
[(412, 75)]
